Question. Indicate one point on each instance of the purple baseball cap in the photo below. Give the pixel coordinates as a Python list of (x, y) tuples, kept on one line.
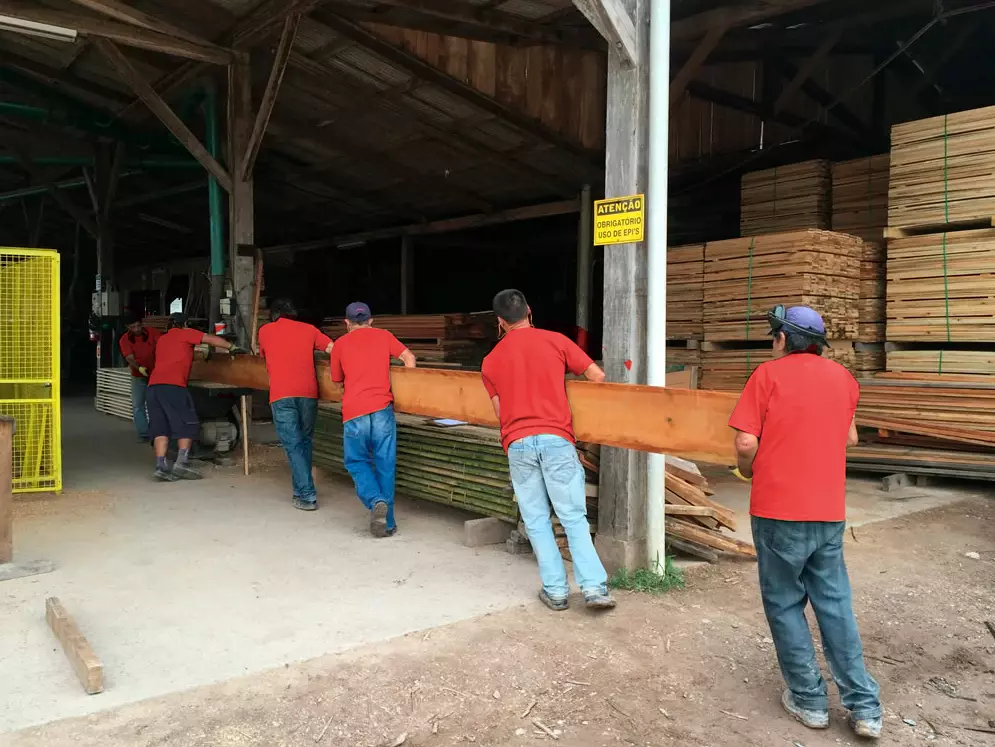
[(357, 312), (806, 318)]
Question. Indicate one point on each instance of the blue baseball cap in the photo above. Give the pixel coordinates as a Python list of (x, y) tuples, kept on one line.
[(357, 312)]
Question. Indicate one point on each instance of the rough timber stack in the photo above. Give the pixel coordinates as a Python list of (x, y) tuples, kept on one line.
[(744, 278), (685, 303), (786, 198)]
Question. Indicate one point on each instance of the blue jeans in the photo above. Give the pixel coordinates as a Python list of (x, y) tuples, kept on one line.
[(545, 470), (801, 562), (294, 420), (370, 456), (139, 389)]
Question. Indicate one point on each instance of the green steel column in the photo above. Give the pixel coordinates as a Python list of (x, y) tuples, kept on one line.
[(216, 210)]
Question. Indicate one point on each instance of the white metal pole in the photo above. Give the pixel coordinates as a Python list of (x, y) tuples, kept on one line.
[(656, 225), (585, 234)]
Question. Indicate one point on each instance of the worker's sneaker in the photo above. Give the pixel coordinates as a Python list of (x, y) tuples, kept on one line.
[(378, 520), (598, 599), (557, 604), (185, 472), (164, 475), (304, 505), (868, 728), (811, 719)]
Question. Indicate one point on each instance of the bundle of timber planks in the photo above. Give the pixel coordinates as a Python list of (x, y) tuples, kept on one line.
[(941, 287), (942, 173), (860, 197), (786, 198), (744, 278), (434, 338), (727, 369), (114, 392), (685, 268)]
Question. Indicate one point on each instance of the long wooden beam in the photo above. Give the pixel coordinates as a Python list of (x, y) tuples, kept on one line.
[(810, 66), (65, 202), (615, 24), (283, 51), (122, 12), (124, 33), (688, 423), (161, 109), (690, 68)]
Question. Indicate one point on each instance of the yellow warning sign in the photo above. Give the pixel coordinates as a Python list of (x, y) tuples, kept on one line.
[(619, 220)]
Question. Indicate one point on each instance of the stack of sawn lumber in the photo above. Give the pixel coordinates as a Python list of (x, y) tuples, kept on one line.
[(685, 268), (860, 197), (786, 198), (434, 338)]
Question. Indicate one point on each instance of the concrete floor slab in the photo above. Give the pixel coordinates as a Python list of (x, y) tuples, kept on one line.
[(182, 584)]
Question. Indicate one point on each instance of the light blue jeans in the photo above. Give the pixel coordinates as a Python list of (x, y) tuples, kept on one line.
[(545, 470), (294, 419), (139, 390), (801, 562), (370, 455)]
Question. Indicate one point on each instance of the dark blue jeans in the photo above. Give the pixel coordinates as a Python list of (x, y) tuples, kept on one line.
[(801, 562), (370, 455), (294, 420)]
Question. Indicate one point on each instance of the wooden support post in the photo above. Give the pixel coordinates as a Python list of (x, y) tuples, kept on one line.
[(621, 537), (241, 207), (7, 426), (87, 664), (407, 275), (585, 238)]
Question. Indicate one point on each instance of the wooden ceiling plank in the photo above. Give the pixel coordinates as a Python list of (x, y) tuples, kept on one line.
[(123, 33), (161, 109), (283, 52)]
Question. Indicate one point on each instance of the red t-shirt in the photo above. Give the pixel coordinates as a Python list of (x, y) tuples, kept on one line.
[(288, 347), (526, 371), (800, 407), (174, 356), (361, 359), (142, 346)]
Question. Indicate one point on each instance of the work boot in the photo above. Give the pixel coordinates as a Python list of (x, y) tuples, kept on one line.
[(598, 599), (304, 505), (868, 728), (164, 475), (184, 471), (557, 604), (378, 520), (811, 719)]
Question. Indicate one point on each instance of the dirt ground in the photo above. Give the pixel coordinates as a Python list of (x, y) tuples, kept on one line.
[(694, 667)]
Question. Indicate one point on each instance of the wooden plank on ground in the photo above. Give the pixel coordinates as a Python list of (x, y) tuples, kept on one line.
[(85, 662), (689, 532), (696, 497)]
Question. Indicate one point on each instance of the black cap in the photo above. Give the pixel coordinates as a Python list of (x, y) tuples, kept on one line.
[(178, 319)]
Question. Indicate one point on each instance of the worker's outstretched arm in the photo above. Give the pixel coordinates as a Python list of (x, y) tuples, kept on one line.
[(407, 358), (594, 373), (746, 451), (218, 342), (851, 437)]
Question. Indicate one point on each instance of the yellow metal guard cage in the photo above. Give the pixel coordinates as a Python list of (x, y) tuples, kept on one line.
[(29, 365)]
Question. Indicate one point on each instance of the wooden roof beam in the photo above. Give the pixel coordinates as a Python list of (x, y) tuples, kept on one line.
[(615, 24), (75, 211), (120, 11), (123, 33), (810, 66), (283, 52), (696, 26), (161, 109), (689, 69), (404, 18)]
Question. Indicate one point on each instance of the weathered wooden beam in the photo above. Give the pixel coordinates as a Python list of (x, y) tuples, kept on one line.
[(678, 86), (85, 663), (126, 13), (689, 423), (241, 206), (447, 225), (699, 24), (161, 109), (283, 51), (433, 75), (124, 33), (611, 19), (405, 18), (265, 17), (810, 66)]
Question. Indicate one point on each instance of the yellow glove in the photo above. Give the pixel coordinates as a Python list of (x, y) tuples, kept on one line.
[(740, 475), (143, 371)]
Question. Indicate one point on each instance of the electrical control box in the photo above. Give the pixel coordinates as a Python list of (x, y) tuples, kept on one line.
[(106, 303)]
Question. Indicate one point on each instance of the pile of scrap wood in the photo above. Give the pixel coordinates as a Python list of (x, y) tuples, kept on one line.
[(786, 198), (434, 338), (695, 521)]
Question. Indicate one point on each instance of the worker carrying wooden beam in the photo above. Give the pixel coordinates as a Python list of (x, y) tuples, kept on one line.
[(288, 346), (171, 409), (794, 422), (524, 377), (361, 363)]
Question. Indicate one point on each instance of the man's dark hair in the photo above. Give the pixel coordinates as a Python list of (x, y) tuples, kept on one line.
[(282, 307), (177, 320), (799, 342), (511, 305)]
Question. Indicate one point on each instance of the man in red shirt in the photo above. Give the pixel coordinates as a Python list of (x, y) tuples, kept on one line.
[(525, 377), (288, 347), (171, 410), (361, 362), (794, 422), (137, 346)]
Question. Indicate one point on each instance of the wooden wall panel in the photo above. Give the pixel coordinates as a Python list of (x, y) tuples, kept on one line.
[(562, 87)]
